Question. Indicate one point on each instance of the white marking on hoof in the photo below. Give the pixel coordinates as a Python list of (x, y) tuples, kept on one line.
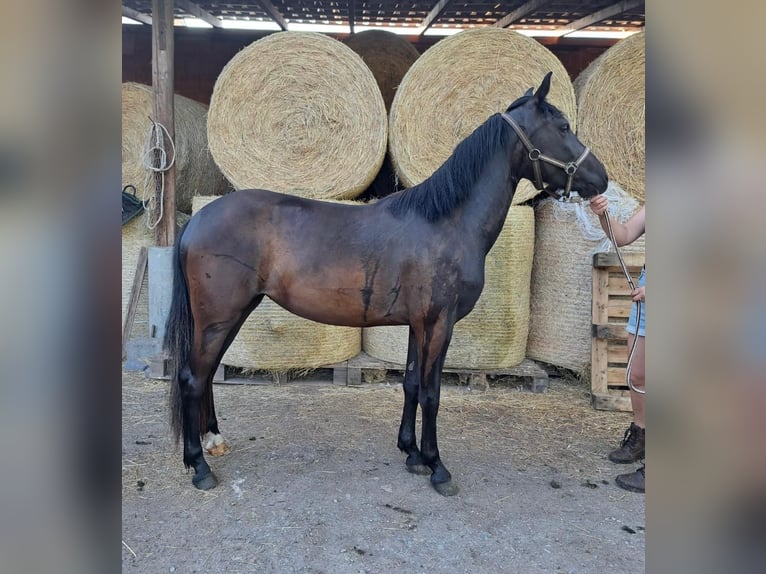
[(215, 444)]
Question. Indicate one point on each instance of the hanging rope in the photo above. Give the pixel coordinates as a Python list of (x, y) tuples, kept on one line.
[(156, 162)]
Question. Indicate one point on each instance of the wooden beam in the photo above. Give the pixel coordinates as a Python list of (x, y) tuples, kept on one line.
[(351, 18), (274, 13), (633, 260), (433, 15), (163, 48), (600, 15), (135, 293), (136, 15), (199, 12), (519, 13)]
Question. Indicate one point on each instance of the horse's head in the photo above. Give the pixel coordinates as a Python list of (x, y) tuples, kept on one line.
[(553, 154)]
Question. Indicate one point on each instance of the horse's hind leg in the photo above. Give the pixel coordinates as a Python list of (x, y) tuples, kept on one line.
[(211, 339), (213, 442), (407, 442), (193, 382)]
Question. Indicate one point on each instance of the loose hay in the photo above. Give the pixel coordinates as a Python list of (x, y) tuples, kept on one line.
[(610, 98), (456, 85), (494, 334), (562, 278), (388, 56), (196, 172), (274, 339), (298, 113)]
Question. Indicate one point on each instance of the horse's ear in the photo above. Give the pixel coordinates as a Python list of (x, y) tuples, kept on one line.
[(528, 93), (542, 91)]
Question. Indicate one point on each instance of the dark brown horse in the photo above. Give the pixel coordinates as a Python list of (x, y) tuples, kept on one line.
[(413, 258)]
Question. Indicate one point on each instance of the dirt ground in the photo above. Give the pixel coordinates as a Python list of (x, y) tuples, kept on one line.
[(314, 483)]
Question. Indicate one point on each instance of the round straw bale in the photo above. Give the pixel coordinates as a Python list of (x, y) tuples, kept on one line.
[(299, 113), (610, 116), (273, 339), (196, 172), (566, 237), (494, 334), (388, 56), (135, 235), (459, 82)]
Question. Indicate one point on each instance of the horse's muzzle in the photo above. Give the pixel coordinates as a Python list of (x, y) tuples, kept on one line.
[(564, 196)]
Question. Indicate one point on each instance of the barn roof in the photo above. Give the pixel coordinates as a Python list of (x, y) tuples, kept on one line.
[(543, 17)]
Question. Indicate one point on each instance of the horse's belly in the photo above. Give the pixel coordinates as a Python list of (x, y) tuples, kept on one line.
[(352, 307)]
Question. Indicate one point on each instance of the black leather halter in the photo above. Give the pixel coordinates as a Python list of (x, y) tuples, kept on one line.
[(536, 157)]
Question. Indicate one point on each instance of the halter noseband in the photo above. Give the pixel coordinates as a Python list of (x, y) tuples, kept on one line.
[(535, 157)]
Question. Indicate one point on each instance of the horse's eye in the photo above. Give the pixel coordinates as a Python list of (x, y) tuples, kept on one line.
[(565, 128)]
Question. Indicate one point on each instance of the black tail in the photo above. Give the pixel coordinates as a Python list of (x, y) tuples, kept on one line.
[(179, 330)]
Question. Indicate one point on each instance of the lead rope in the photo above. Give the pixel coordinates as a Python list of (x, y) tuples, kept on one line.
[(638, 309)]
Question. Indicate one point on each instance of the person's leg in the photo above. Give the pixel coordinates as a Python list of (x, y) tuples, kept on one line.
[(632, 448), (637, 378), (636, 481)]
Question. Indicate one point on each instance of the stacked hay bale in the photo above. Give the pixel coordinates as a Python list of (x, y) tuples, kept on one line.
[(610, 119), (456, 85), (273, 339), (195, 170), (566, 238), (298, 113), (494, 334), (610, 101), (389, 57)]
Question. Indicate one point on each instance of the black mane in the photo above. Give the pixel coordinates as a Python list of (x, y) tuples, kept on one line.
[(451, 184)]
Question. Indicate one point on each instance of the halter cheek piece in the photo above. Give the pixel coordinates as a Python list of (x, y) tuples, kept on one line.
[(536, 157)]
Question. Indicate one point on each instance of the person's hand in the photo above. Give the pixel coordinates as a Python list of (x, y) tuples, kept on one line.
[(638, 294), (599, 204)]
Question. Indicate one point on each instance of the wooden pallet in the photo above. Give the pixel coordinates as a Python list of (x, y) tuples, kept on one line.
[(363, 367), (611, 308), (353, 371)]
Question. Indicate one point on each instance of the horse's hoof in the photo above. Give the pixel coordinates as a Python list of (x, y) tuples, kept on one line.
[(420, 469), (205, 482), (415, 464), (448, 488)]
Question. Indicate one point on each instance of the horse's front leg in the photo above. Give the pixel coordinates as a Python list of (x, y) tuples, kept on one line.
[(407, 442), (430, 390)]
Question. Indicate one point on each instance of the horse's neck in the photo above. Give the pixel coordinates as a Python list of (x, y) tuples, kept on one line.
[(486, 210)]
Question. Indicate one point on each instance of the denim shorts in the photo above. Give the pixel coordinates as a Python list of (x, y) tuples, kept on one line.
[(631, 328)]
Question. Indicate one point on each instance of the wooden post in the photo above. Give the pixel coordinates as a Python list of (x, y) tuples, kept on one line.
[(163, 84)]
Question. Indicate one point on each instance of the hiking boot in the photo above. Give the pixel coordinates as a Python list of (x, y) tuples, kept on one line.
[(633, 481), (632, 446)]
